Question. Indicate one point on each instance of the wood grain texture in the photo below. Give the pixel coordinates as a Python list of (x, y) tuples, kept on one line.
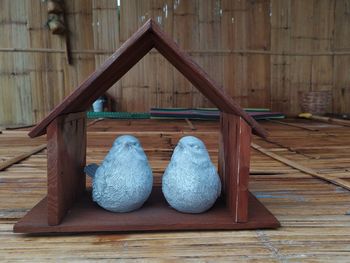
[(66, 151), (236, 137), (148, 36), (86, 216), (329, 178), (21, 157)]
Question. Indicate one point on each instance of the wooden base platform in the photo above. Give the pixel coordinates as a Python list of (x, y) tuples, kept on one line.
[(86, 216)]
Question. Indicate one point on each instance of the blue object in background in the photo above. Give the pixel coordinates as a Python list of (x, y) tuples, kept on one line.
[(97, 106)]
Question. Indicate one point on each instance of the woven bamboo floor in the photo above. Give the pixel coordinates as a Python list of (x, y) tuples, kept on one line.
[(315, 214)]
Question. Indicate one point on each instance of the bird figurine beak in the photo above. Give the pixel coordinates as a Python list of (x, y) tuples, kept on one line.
[(128, 144)]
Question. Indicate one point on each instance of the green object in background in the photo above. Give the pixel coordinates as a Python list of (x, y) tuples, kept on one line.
[(214, 109), (256, 110), (183, 113), (118, 115)]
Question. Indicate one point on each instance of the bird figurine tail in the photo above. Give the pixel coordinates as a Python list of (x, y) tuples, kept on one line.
[(90, 170)]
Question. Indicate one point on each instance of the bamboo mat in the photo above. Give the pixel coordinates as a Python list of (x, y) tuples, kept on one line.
[(315, 215)]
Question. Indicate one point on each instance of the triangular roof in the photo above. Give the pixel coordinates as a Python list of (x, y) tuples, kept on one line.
[(136, 47)]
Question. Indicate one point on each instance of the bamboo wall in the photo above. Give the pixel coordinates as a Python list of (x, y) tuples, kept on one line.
[(263, 52)]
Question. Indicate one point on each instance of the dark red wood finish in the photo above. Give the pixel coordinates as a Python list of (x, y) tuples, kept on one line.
[(234, 162), (66, 151), (86, 216)]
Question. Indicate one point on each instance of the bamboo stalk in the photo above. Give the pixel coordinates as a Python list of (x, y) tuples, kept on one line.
[(95, 121), (190, 124), (302, 168), (294, 125), (67, 36), (233, 51), (16, 127), (21, 156), (331, 120)]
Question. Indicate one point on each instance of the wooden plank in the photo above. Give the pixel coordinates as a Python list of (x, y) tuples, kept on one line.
[(236, 137), (17, 127), (66, 151), (294, 125), (345, 123), (85, 216), (21, 157), (329, 178), (222, 148), (242, 155)]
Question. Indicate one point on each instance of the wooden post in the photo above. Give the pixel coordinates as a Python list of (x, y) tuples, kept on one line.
[(222, 149), (66, 156), (234, 160)]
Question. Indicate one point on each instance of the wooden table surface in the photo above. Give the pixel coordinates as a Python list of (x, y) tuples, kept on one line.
[(315, 215)]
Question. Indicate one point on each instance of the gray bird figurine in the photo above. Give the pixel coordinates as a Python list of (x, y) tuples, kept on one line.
[(124, 180), (191, 183)]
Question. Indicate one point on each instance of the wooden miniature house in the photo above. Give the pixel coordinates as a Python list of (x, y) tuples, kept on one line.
[(68, 206)]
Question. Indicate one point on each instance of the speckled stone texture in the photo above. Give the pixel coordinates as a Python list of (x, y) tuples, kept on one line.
[(191, 183), (124, 180)]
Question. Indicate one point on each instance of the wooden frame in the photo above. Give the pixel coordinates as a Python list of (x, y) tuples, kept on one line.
[(234, 160), (66, 133), (66, 155)]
